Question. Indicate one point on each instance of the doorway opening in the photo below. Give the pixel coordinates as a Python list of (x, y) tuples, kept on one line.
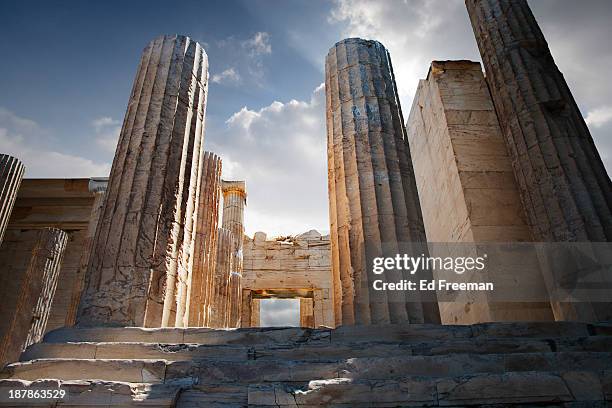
[(279, 312)]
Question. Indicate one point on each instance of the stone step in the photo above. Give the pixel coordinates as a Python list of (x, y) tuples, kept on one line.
[(137, 371), (272, 335), (93, 393), (146, 351), (214, 371), (529, 388), (308, 351)]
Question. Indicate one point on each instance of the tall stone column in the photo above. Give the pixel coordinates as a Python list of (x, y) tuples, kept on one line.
[(219, 303), (564, 186), (27, 301), (234, 200), (11, 173), (200, 293), (374, 205), (99, 190), (143, 231)]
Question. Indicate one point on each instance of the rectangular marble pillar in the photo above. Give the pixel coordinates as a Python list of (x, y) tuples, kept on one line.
[(30, 262), (465, 180), (374, 204), (144, 232)]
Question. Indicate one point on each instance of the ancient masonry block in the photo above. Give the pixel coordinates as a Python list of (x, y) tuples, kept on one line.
[(11, 173), (564, 186), (219, 313), (145, 235), (299, 268), (201, 282), (374, 205), (28, 287), (234, 200), (465, 180)]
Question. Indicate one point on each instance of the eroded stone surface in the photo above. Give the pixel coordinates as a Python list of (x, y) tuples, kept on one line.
[(565, 188), (145, 235), (29, 280), (298, 267), (374, 204)]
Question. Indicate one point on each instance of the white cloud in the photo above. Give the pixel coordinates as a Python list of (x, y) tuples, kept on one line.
[(230, 75), (259, 44), (599, 117), (280, 151), (106, 131), (414, 31), (25, 139)]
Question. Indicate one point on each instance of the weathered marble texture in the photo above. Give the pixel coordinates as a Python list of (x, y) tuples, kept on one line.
[(465, 181), (234, 201), (566, 191), (201, 283), (219, 313), (11, 174), (552, 364), (299, 267), (145, 235), (374, 204), (28, 281)]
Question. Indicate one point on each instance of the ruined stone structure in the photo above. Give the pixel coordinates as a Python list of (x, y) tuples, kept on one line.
[(465, 179), (374, 205), (11, 173), (151, 255), (234, 200), (220, 303), (152, 192), (27, 285), (201, 283), (564, 186), (552, 364), (299, 268), (66, 204)]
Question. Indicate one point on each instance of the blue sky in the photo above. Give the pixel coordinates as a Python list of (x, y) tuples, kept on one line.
[(67, 67)]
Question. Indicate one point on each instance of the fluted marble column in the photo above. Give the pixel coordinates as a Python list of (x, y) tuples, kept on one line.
[(564, 186), (143, 232), (223, 265), (11, 174), (374, 205), (566, 190), (234, 200), (27, 317), (201, 285), (98, 187)]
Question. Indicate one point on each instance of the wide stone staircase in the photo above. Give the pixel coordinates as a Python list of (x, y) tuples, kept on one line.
[(496, 364)]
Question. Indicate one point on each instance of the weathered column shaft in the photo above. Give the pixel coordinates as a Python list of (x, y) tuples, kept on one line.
[(223, 266), (26, 321), (234, 200), (144, 230), (11, 174), (564, 186), (374, 204), (201, 279), (79, 282), (563, 183)]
